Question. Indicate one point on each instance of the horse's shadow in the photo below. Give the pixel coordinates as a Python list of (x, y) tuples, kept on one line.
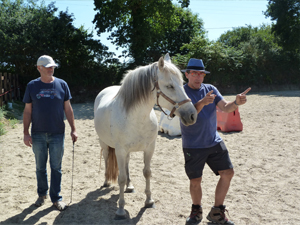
[(94, 209)]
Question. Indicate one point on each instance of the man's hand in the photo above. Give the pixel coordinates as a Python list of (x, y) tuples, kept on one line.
[(74, 136), (209, 98), (27, 140), (241, 98)]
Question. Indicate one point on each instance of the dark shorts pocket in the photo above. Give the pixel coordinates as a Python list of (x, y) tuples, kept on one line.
[(194, 163)]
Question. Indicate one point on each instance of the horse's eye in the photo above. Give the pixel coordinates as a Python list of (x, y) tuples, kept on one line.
[(170, 86)]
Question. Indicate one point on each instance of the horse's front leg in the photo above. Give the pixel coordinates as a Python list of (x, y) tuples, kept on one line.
[(130, 187), (149, 203), (121, 158)]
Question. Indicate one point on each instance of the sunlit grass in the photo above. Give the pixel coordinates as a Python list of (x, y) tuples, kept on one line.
[(9, 117)]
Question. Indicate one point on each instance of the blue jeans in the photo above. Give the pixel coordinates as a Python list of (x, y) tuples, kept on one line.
[(41, 142)]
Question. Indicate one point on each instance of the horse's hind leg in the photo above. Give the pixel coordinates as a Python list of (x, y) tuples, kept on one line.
[(147, 174), (130, 187)]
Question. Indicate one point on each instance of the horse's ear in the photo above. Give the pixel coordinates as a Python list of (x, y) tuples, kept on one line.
[(161, 63), (167, 58)]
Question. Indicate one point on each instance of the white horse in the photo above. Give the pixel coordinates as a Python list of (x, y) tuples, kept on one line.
[(126, 122)]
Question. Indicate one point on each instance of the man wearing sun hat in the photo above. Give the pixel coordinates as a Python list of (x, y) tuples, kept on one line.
[(202, 144), (46, 100)]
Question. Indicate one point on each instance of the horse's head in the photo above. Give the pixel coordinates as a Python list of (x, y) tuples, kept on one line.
[(170, 92)]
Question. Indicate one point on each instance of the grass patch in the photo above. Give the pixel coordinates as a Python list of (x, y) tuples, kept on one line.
[(2, 129), (10, 117)]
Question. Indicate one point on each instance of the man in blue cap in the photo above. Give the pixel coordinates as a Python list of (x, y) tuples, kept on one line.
[(202, 143)]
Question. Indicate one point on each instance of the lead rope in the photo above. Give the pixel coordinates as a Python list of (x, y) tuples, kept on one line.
[(72, 174), (63, 212)]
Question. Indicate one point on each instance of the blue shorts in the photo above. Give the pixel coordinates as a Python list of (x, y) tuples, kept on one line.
[(216, 157)]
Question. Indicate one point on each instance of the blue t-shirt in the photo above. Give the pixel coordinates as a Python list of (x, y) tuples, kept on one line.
[(47, 105), (202, 134)]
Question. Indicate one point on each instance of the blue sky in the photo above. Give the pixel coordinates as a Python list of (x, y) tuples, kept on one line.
[(218, 16)]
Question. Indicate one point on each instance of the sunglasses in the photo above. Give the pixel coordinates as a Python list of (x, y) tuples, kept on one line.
[(197, 74)]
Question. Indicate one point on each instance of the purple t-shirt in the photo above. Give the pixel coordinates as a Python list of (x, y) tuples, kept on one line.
[(202, 134), (47, 105)]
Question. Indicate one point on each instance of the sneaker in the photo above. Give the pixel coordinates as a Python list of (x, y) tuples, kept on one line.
[(217, 215), (196, 215), (40, 201), (61, 206)]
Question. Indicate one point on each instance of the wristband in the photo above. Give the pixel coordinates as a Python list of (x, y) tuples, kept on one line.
[(235, 103)]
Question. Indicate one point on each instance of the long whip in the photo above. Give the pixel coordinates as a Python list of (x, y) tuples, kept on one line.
[(72, 174), (63, 212)]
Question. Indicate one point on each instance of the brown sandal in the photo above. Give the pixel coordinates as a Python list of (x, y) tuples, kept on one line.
[(40, 201)]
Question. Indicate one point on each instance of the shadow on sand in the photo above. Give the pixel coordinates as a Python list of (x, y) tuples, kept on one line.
[(20, 218), (168, 137), (94, 209)]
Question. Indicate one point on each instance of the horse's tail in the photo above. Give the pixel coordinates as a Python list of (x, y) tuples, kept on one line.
[(112, 170)]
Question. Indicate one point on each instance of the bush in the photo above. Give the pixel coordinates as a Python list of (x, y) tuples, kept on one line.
[(9, 117), (244, 57)]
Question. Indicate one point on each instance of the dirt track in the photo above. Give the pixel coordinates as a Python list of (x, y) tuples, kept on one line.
[(264, 190)]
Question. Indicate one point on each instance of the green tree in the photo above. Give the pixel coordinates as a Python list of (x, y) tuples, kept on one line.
[(264, 60), (242, 57), (28, 31), (240, 35), (190, 26), (223, 62), (286, 14), (136, 24)]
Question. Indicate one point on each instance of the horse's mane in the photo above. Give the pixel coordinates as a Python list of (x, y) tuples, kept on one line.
[(137, 84)]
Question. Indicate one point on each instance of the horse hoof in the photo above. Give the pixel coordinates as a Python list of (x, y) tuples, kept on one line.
[(120, 214), (130, 189), (106, 185), (150, 205), (117, 217)]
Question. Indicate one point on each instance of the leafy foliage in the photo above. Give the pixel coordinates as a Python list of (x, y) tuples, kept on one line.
[(146, 29), (244, 56), (28, 31), (264, 60), (286, 15), (190, 26), (137, 25), (220, 60), (9, 117)]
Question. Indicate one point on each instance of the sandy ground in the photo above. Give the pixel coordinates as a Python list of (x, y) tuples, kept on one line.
[(264, 190)]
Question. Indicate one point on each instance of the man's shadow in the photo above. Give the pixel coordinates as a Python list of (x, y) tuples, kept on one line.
[(19, 218), (94, 209)]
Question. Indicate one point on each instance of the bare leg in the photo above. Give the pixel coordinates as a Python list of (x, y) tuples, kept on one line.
[(196, 190), (223, 186)]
